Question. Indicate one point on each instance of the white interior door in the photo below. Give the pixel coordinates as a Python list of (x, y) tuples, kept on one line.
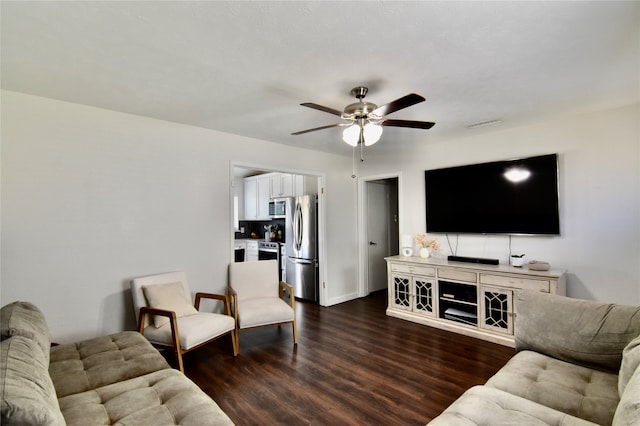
[(378, 236)]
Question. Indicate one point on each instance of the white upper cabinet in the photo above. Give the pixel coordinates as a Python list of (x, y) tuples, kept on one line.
[(257, 192), (282, 185), (250, 199)]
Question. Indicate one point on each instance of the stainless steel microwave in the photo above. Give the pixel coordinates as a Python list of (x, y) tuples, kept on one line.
[(278, 208)]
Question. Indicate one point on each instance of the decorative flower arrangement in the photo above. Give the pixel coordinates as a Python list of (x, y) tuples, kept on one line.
[(421, 239)]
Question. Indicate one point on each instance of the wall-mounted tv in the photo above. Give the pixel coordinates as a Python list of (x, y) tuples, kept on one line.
[(512, 197)]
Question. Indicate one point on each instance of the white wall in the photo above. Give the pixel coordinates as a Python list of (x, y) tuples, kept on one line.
[(599, 202), (92, 198)]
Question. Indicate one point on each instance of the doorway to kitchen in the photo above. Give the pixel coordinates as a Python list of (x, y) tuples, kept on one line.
[(379, 230), (262, 229)]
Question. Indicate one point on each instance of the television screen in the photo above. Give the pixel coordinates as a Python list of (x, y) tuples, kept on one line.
[(515, 197)]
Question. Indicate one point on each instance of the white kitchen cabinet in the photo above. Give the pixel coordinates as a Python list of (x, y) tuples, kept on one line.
[(257, 192), (282, 185), (252, 250), (250, 199), (290, 185), (264, 195), (299, 187)]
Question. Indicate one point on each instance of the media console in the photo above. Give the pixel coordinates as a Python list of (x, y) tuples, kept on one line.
[(474, 299)]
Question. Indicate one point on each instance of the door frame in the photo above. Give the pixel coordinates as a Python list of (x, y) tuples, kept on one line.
[(363, 273), (322, 258)]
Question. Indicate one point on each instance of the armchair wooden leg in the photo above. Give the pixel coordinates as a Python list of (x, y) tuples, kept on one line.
[(295, 333), (234, 343)]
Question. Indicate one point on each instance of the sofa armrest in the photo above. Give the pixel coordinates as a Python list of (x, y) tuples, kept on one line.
[(26, 390), (584, 332)]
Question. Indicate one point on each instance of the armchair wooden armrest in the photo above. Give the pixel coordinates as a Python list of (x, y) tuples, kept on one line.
[(173, 322), (221, 297), (284, 286)]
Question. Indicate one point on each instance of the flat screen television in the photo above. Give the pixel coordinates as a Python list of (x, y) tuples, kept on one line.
[(512, 197)]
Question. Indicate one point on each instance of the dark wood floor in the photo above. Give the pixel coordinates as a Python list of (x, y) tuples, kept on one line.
[(353, 365)]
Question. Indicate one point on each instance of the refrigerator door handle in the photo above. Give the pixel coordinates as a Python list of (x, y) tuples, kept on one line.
[(298, 227), (302, 261)]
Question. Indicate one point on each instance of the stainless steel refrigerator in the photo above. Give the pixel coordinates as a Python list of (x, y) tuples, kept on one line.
[(301, 232)]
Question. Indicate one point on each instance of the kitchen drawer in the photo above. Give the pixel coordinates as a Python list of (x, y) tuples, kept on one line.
[(515, 282), (454, 274), (411, 269)]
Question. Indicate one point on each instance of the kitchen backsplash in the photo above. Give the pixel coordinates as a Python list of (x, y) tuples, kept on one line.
[(257, 227)]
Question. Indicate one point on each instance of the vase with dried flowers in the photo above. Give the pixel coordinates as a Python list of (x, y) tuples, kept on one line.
[(426, 246)]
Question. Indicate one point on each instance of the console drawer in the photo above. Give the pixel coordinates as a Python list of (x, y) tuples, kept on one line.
[(515, 282), (415, 270), (454, 274)]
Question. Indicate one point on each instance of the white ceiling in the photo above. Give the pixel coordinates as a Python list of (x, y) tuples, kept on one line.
[(244, 67)]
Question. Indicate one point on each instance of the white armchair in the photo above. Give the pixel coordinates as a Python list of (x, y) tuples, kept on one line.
[(257, 297), (166, 316)]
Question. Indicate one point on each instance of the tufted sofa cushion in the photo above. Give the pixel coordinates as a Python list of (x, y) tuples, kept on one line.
[(572, 389), (27, 396), (101, 361), (26, 320), (162, 397), (485, 406)]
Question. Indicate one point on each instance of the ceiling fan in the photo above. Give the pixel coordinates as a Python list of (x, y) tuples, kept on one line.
[(364, 120)]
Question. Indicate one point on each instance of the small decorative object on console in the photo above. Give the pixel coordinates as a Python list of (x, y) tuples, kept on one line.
[(407, 251), (539, 265), (426, 246), (517, 260)]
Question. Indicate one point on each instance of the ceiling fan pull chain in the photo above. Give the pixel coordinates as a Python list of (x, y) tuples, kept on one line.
[(353, 164)]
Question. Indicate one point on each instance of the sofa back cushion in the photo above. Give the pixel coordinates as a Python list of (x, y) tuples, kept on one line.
[(27, 395), (26, 320), (584, 332)]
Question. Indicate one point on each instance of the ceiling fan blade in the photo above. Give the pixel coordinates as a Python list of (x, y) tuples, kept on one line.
[(322, 128), (398, 104), (322, 108), (408, 123)]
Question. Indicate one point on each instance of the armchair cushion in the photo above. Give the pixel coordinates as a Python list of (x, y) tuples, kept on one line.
[(170, 297), (193, 329), (263, 311)]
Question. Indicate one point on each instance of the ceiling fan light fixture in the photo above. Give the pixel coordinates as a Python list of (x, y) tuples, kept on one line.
[(351, 135), (372, 133)]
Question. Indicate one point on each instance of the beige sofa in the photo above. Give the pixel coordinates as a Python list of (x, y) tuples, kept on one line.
[(116, 379), (577, 363)]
